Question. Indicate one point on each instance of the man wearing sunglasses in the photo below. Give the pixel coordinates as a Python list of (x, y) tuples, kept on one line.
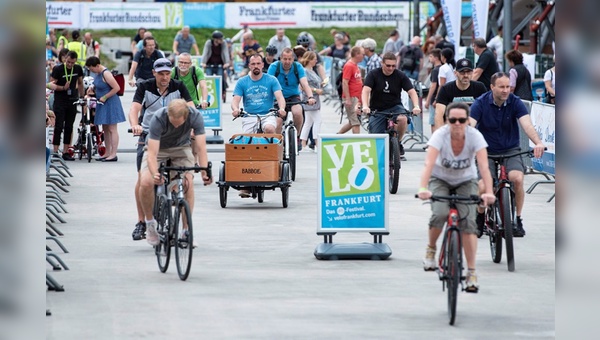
[(498, 114), (383, 92), (151, 95), (463, 90)]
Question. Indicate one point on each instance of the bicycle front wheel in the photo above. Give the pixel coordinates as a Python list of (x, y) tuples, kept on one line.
[(453, 274), (506, 209), (184, 239), (89, 147), (394, 167), (491, 222), (163, 218)]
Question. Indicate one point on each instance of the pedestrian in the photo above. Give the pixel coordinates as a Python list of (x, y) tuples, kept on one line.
[(312, 112), (520, 78), (351, 90), (486, 64)]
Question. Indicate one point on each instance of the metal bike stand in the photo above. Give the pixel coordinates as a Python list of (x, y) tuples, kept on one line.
[(352, 251)]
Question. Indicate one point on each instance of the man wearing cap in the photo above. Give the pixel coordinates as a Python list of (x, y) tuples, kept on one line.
[(463, 89), (150, 96), (486, 64)]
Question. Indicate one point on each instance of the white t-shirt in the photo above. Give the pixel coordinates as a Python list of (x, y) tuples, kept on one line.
[(496, 45), (446, 71), (456, 169), (550, 75)]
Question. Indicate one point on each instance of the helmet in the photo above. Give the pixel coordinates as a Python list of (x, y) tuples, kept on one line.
[(217, 35), (271, 49), (303, 40), (369, 43), (228, 40), (87, 82)]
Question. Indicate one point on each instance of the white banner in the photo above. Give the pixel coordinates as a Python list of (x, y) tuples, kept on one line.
[(452, 17), (529, 62), (315, 14), (63, 14), (124, 15), (480, 17)]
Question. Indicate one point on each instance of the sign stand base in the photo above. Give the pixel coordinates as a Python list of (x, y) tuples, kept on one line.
[(215, 138), (352, 251)]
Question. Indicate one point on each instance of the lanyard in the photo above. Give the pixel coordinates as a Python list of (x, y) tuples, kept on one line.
[(68, 77)]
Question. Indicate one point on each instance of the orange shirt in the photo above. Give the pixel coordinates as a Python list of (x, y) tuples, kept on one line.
[(352, 74)]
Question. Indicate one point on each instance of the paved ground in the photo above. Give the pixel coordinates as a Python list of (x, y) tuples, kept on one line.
[(254, 275)]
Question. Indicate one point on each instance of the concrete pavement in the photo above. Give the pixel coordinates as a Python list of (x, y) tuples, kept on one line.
[(254, 275)]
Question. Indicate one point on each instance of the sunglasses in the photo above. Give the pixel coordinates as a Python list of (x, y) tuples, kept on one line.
[(390, 65), (167, 64), (286, 80), (454, 120)]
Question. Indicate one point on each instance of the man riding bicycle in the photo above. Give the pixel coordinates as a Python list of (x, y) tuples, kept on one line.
[(169, 138), (382, 92)]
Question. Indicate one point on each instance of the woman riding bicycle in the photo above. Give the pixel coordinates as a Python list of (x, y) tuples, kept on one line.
[(449, 165)]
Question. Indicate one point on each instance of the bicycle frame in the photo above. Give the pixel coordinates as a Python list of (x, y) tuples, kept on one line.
[(451, 226)]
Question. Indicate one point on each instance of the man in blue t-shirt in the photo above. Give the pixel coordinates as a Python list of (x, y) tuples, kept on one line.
[(259, 91), (497, 115), (290, 75)]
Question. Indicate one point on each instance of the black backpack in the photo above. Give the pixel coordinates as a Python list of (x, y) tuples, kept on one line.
[(294, 67), (338, 85), (194, 78), (410, 59)]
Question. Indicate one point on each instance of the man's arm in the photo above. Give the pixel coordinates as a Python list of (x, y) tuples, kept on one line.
[(134, 119), (134, 65), (432, 89), (529, 129), (366, 99), (152, 157), (175, 44), (80, 87), (414, 97), (280, 102), (96, 49), (195, 46), (204, 93), (307, 90), (477, 73), (439, 115), (202, 156), (235, 105), (346, 91)]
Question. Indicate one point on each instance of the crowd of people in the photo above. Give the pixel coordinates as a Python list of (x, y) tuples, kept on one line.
[(473, 108)]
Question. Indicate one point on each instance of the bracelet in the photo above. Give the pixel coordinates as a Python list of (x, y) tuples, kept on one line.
[(422, 189)]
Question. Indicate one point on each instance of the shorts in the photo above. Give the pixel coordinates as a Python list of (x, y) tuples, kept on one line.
[(378, 123), (431, 114), (249, 124), (140, 150), (440, 210), (513, 163), (287, 100), (352, 112), (179, 155)]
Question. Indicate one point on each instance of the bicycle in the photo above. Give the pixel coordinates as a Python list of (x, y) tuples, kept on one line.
[(85, 141), (214, 69), (500, 217), (290, 138), (450, 262), (395, 162), (172, 212)]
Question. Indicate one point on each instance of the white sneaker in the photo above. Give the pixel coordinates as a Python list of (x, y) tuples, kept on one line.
[(429, 259), (305, 150), (151, 234), (472, 285)]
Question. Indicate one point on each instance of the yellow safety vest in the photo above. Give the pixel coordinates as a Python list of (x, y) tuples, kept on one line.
[(79, 48)]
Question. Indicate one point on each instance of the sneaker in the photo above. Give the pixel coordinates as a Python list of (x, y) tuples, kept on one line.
[(472, 285), (401, 149), (67, 157), (429, 259), (306, 150), (518, 230), (480, 220), (184, 240), (139, 232), (151, 234)]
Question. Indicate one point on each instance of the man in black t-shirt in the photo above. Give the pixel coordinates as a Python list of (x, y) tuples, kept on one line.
[(463, 89), (382, 91), (68, 78), (143, 61), (486, 64), (434, 56)]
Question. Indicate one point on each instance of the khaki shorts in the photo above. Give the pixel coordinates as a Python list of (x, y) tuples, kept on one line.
[(352, 112), (440, 210), (180, 156)]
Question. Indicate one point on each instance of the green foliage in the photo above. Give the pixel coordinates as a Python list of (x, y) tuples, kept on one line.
[(322, 35)]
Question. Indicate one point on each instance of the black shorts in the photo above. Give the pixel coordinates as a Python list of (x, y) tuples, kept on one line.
[(288, 108), (378, 123)]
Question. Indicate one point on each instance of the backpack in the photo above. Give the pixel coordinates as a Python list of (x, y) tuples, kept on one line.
[(194, 78), (338, 85), (410, 59), (294, 67)]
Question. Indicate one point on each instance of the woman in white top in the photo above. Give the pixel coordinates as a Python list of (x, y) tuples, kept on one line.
[(447, 69), (550, 82), (450, 164)]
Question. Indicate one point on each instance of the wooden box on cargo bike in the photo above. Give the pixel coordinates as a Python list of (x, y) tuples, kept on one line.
[(254, 164)]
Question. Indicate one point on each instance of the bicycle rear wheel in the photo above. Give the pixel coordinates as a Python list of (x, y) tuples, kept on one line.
[(184, 240), (394, 167), (163, 217), (89, 147), (491, 222), (453, 274), (506, 209), (81, 144)]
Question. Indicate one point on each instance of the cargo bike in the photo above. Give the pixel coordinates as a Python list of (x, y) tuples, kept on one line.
[(254, 163)]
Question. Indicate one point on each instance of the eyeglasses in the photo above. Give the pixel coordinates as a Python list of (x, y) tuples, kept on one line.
[(454, 120), (390, 65), (167, 64), (184, 62)]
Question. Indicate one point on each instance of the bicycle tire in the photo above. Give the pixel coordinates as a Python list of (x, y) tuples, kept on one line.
[(80, 144), (453, 274), (292, 139), (222, 187), (163, 219), (506, 209), (183, 248), (285, 190), (261, 196), (494, 234), (394, 167), (89, 147)]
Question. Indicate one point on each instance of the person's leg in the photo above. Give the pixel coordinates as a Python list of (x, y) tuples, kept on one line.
[(517, 177), (432, 117), (140, 156), (59, 112), (146, 193), (352, 112), (468, 225), (70, 115), (297, 116), (401, 124), (316, 126), (308, 123), (107, 140)]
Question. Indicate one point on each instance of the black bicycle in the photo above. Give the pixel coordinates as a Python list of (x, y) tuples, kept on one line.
[(394, 149), (290, 137), (174, 217), (500, 217), (450, 262)]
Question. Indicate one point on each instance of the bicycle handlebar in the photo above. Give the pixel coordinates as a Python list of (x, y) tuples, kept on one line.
[(503, 157), (83, 101), (179, 169), (243, 114), (387, 114), (472, 199)]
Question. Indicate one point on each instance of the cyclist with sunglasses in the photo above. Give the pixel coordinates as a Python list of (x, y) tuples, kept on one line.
[(450, 165), (382, 92)]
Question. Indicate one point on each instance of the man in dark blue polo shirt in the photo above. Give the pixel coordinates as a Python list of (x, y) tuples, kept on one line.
[(497, 115)]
